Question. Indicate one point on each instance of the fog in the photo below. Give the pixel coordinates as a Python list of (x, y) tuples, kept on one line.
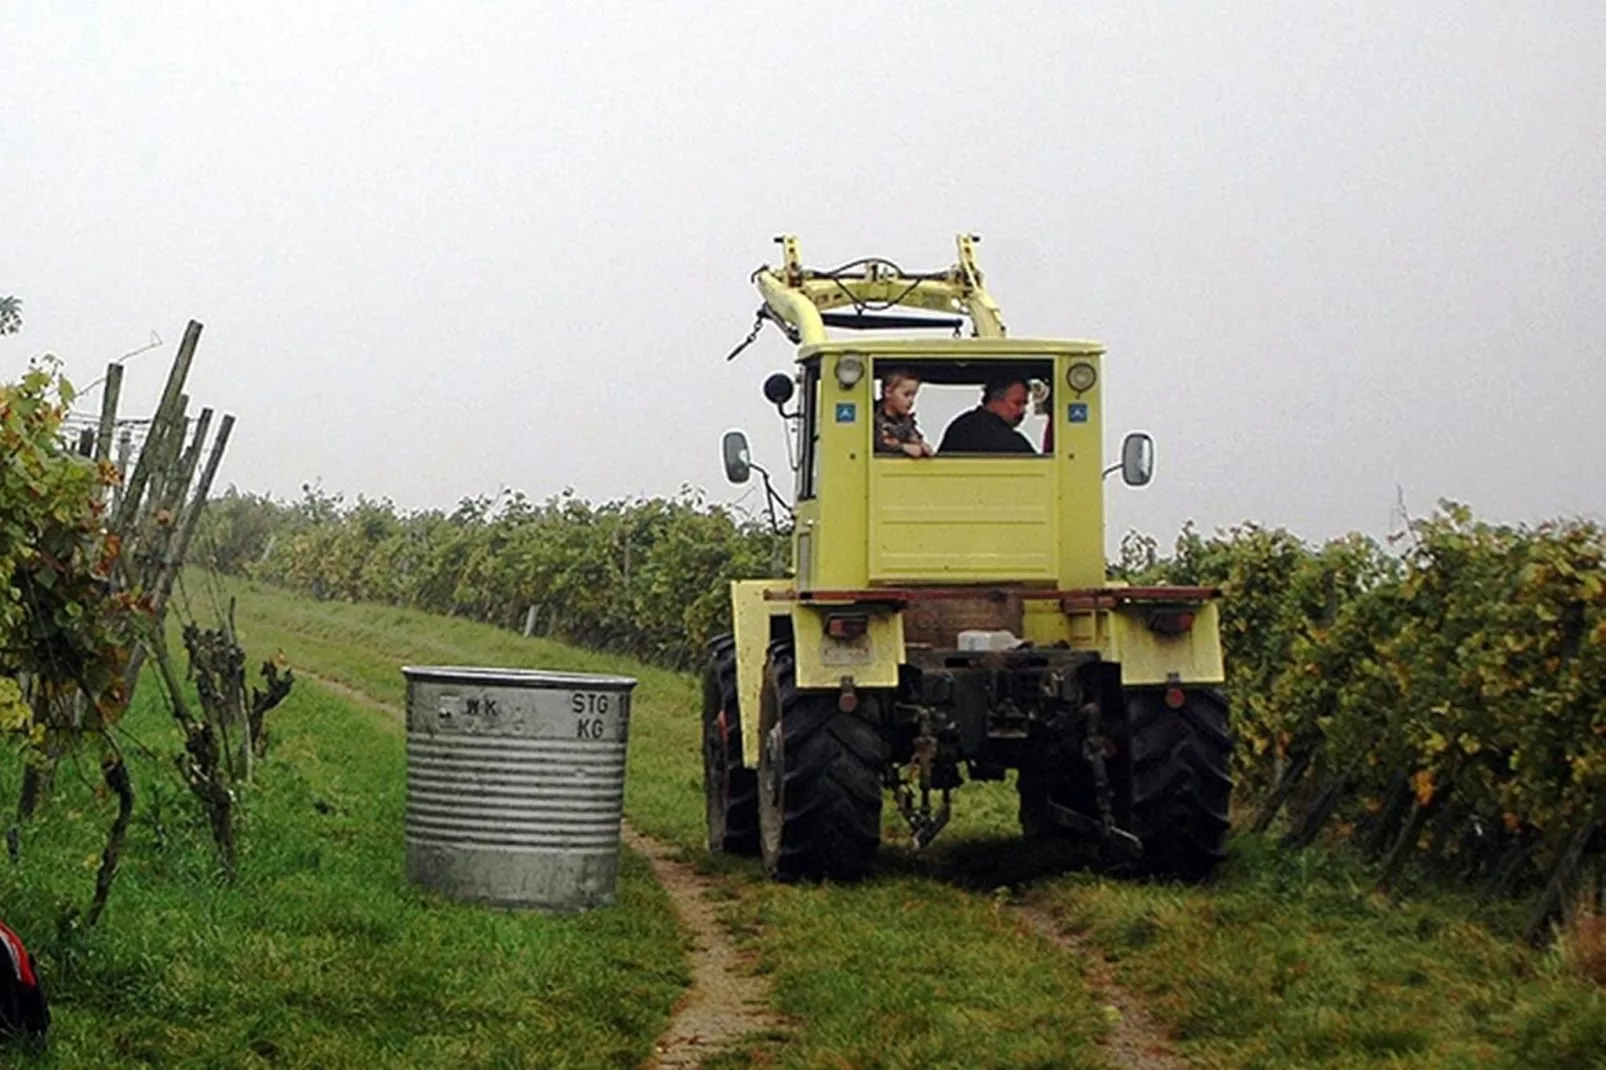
[(1342, 256)]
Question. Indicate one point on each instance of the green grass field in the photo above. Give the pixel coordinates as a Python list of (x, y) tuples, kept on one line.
[(323, 956)]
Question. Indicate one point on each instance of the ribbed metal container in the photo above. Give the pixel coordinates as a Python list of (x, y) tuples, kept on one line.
[(515, 784)]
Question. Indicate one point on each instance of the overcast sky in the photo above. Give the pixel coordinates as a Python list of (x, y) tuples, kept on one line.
[(1334, 249)]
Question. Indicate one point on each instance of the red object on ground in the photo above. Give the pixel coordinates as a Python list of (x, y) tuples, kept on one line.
[(22, 1001)]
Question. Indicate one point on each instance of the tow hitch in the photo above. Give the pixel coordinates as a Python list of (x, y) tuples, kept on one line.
[(924, 822), (1111, 836)]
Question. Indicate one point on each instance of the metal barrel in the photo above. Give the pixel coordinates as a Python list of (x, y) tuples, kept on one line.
[(515, 784)]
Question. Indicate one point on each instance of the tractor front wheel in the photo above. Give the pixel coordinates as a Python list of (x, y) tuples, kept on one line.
[(730, 788), (819, 779)]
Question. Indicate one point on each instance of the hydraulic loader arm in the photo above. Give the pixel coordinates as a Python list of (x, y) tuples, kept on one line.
[(795, 296)]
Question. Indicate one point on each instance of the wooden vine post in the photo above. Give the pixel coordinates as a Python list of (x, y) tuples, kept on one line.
[(154, 513)]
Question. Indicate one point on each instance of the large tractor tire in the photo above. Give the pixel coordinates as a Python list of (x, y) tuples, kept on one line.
[(1180, 781), (819, 779), (730, 787)]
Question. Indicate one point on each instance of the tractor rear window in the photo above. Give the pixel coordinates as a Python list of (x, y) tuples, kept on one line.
[(948, 390)]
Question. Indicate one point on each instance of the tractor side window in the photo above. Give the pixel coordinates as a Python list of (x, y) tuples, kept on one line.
[(808, 472)]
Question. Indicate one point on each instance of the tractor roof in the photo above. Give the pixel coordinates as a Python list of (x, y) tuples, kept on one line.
[(803, 303), (956, 349)]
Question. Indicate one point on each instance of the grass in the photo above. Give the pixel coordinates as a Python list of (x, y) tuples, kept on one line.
[(904, 971), (320, 955), (1287, 960), (1290, 959)]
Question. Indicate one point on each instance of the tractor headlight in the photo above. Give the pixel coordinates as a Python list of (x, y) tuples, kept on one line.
[(1082, 376), (849, 370)]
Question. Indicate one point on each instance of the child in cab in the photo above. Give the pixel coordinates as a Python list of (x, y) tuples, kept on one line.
[(895, 428)]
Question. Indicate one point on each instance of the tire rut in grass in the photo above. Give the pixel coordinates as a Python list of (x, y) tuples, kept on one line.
[(726, 1001), (1135, 1041)]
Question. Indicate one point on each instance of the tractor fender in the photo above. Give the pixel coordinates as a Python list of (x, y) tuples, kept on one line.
[(1149, 657), (754, 620), (868, 660), (870, 657)]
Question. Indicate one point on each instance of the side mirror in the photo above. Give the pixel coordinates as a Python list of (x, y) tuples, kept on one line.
[(737, 465), (778, 389), (1137, 459)]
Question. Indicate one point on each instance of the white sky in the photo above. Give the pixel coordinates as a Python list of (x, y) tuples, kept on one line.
[(442, 249)]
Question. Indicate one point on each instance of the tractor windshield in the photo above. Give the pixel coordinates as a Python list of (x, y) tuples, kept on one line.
[(962, 407)]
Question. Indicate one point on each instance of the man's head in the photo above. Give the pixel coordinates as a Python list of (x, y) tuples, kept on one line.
[(1006, 397)]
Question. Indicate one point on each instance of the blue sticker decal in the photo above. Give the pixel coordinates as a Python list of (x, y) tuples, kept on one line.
[(846, 412), (1077, 413)]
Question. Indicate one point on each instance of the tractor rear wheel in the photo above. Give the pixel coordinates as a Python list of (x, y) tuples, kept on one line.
[(819, 779), (730, 788), (1180, 781)]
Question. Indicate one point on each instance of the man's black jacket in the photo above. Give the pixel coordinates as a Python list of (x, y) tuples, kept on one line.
[(983, 431)]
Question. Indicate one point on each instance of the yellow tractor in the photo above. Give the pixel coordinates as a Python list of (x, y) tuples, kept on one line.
[(948, 615)]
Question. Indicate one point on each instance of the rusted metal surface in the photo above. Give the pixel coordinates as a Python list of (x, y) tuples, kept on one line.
[(938, 623)]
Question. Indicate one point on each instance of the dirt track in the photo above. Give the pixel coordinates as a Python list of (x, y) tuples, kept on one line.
[(726, 1001), (1134, 1042)]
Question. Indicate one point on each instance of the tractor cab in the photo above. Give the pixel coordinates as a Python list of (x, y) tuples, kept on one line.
[(867, 518)]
